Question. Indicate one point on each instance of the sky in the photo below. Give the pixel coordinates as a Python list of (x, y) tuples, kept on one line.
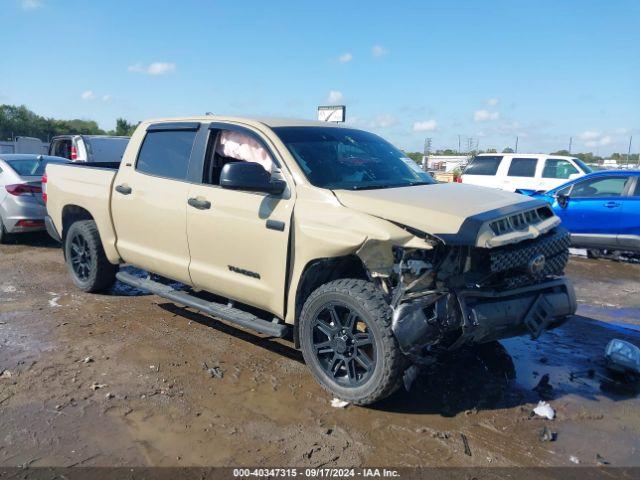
[(543, 71)]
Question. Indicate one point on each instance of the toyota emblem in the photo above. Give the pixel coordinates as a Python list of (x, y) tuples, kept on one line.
[(536, 264)]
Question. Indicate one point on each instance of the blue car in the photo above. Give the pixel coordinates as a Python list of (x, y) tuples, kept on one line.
[(601, 209)]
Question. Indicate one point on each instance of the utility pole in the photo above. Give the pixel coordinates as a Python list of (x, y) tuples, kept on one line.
[(629, 151), (458, 143), (426, 153), (516, 144), (570, 142)]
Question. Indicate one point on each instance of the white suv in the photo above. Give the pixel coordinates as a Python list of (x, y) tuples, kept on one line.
[(522, 171)]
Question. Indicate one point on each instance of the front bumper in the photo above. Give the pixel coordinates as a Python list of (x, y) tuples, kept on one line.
[(480, 316)]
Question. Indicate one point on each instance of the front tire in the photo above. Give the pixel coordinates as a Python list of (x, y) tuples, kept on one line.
[(347, 342), (87, 263)]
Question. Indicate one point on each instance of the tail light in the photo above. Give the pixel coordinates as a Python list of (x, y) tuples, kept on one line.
[(459, 179), (30, 223), (20, 189), (44, 188), (74, 153)]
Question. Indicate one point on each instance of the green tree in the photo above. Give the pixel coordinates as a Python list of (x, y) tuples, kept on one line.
[(508, 150), (415, 156), (124, 128)]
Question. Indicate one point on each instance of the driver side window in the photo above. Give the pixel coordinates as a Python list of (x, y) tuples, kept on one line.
[(228, 146), (600, 187)]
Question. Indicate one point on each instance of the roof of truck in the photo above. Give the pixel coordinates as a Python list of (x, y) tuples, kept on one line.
[(268, 121)]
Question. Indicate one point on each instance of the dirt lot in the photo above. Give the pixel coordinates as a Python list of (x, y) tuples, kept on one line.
[(156, 405)]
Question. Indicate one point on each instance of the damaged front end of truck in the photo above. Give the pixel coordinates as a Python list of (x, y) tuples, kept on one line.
[(503, 279)]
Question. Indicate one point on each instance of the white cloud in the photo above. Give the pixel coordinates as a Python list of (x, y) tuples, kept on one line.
[(378, 51), (106, 98), (345, 58), (156, 68), (383, 121), (492, 102), (601, 142), (485, 115), (425, 126), (31, 4), (88, 95), (589, 135), (335, 96)]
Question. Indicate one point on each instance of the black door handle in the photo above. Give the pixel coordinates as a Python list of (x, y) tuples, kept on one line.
[(124, 189), (199, 204)]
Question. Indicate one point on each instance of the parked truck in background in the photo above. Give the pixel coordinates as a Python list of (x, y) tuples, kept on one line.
[(319, 233), (89, 148)]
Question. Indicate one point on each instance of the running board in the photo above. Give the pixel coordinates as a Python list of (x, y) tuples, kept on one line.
[(225, 312)]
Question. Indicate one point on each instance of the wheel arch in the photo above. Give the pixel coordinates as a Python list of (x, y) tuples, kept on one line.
[(70, 215), (320, 271)]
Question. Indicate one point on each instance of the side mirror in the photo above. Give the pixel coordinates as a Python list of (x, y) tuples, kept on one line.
[(250, 176), (562, 199)]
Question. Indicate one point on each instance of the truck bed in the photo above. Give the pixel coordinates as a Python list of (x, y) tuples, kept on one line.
[(83, 186)]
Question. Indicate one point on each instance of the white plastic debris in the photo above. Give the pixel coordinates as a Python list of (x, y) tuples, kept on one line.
[(6, 374), (574, 459), (97, 386), (543, 409), (54, 301), (337, 403)]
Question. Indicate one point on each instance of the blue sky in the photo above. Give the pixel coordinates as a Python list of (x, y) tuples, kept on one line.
[(492, 70)]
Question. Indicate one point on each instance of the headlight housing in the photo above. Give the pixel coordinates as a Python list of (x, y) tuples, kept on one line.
[(622, 356)]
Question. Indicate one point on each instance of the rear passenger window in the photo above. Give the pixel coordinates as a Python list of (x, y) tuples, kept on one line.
[(558, 168), (522, 167), (166, 154), (483, 166)]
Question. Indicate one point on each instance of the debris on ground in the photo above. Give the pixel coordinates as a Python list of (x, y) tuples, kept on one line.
[(5, 374), (543, 409), (465, 442), (87, 360), (54, 301), (574, 459), (544, 388), (622, 356), (109, 396), (337, 403), (97, 386), (600, 461), (410, 375), (547, 435), (214, 372)]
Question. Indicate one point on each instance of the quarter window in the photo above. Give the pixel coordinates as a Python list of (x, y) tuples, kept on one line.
[(483, 166), (166, 153), (600, 187), (636, 192), (522, 167), (558, 168)]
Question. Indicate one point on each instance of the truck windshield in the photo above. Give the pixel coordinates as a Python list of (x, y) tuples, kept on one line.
[(349, 159)]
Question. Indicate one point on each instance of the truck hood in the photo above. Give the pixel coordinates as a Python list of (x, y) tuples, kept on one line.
[(451, 211)]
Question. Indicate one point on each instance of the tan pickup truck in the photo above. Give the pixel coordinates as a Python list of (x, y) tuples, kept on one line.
[(322, 234)]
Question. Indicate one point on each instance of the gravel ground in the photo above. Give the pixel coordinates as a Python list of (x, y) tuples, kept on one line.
[(118, 380)]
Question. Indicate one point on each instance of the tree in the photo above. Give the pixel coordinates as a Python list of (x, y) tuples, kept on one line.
[(124, 128), (415, 156), (491, 150), (508, 150), (561, 152)]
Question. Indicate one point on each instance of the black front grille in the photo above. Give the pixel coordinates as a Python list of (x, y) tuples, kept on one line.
[(510, 264)]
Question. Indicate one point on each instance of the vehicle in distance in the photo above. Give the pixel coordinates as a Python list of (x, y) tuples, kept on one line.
[(21, 205), (522, 171), (89, 148), (323, 234), (601, 210)]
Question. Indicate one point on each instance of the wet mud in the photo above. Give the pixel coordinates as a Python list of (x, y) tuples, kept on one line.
[(120, 379)]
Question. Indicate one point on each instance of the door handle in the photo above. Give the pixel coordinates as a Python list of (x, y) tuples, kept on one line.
[(199, 204), (612, 204), (124, 189)]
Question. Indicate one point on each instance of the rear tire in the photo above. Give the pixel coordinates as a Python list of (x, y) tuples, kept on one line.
[(88, 265), (347, 342)]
